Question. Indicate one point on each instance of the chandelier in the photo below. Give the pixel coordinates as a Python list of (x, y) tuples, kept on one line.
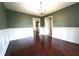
[(41, 10)]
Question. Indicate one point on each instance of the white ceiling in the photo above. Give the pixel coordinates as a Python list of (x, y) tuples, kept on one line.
[(33, 6)]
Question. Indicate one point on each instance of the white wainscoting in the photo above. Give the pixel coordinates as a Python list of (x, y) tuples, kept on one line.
[(18, 33), (4, 41), (65, 33)]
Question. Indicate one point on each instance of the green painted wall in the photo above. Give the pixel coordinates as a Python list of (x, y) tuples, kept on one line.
[(42, 21), (67, 17), (3, 23), (19, 20)]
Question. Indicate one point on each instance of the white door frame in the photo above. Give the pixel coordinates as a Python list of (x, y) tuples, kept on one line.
[(34, 23), (48, 25)]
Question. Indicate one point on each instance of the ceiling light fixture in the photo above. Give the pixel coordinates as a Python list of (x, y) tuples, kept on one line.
[(41, 10)]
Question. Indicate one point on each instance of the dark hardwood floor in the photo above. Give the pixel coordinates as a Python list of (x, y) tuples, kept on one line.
[(42, 46)]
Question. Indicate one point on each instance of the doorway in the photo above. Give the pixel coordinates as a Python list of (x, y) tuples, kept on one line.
[(36, 25), (48, 25)]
